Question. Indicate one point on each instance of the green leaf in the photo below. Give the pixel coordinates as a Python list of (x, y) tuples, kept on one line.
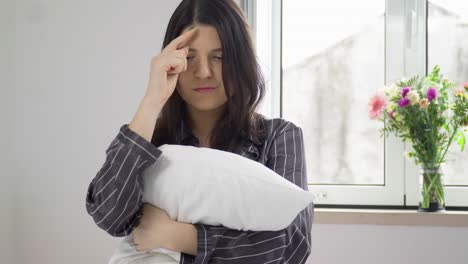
[(434, 75), (461, 140), (409, 82)]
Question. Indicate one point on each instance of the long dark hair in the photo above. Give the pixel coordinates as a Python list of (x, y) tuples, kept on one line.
[(241, 73)]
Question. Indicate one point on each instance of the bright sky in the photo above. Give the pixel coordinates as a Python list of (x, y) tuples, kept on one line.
[(310, 26)]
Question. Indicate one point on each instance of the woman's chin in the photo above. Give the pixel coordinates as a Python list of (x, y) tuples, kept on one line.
[(207, 106)]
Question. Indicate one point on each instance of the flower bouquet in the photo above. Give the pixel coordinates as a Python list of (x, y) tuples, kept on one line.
[(429, 113)]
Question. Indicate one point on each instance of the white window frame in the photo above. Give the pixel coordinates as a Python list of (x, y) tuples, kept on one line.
[(416, 63), (405, 34)]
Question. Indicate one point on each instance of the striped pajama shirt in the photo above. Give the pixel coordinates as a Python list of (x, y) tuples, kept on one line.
[(114, 198)]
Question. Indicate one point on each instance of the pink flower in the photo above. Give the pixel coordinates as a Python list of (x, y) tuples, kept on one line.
[(465, 85), (377, 105)]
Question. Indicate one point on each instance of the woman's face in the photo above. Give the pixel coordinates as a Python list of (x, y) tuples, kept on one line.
[(204, 70)]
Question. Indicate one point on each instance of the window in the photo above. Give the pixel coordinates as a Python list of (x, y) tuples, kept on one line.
[(329, 50), (448, 47), (322, 61)]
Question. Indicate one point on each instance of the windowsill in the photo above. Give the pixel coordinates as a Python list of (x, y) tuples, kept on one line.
[(390, 217)]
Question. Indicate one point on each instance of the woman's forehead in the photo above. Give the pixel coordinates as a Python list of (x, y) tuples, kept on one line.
[(206, 40)]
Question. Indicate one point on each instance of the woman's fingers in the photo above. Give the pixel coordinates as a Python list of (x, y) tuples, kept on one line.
[(177, 65), (181, 40), (171, 61)]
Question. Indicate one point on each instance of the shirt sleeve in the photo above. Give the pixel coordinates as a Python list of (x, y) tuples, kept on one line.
[(114, 197), (217, 244)]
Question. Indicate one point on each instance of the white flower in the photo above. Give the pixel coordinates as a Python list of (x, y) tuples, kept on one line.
[(392, 91), (424, 103), (413, 96), (387, 90)]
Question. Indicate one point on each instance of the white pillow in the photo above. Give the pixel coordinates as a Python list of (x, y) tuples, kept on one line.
[(209, 186)]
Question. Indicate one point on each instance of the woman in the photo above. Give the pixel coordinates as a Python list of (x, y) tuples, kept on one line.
[(203, 90)]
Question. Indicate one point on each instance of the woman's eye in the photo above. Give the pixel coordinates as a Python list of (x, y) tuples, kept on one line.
[(220, 58)]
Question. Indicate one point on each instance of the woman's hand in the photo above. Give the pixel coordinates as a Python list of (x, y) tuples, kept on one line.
[(166, 66), (155, 229), (164, 72)]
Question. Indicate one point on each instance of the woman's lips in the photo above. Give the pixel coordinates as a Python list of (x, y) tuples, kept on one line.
[(204, 89)]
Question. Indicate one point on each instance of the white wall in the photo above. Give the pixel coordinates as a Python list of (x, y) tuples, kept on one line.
[(7, 90), (370, 244), (81, 68)]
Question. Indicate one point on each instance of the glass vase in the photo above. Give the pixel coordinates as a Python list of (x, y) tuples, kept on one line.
[(431, 187)]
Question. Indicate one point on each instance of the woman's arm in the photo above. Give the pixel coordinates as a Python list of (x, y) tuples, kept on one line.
[(114, 195), (291, 245), (223, 245)]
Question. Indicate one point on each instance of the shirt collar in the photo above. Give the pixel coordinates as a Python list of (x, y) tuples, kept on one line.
[(250, 146)]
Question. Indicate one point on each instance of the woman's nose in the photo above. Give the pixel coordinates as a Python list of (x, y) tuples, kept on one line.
[(203, 69)]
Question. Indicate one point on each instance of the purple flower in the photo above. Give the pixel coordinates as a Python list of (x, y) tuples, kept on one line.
[(404, 102), (431, 94), (391, 114), (405, 91)]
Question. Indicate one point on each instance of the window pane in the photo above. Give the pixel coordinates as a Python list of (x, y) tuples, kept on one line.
[(333, 60), (448, 48)]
